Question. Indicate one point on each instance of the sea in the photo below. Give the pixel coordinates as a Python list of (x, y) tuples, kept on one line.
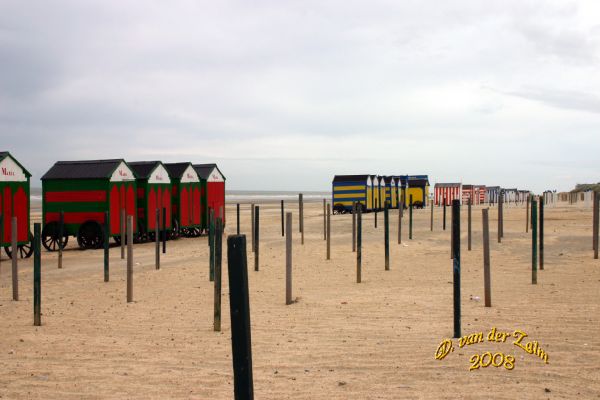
[(237, 196)]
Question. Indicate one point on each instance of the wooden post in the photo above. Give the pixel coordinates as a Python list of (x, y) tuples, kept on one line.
[(431, 222), (164, 230), (386, 223), (469, 224), (527, 215), (328, 231), (375, 217), (410, 218), (282, 221), (218, 258), (288, 258), (456, 264), (541, 233), (500, 215), (486, 259), (300, 199), (211, 243), (324, 220), (37, 274), (256, 235), (359, 246), (533, 242), (595, 220), (61, 230), (123, 221), (354, 208), (253, 228), (157, 240), (129, 259), (399, 225), (106, 248), (239, 304), (444, 219), (238, 217), (14, 257)]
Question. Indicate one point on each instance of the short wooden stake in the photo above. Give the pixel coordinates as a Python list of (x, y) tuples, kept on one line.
[(288, 258), (218, 258), (37, 274), (129, 259), (500, 215), (211, 243), (252, 215), (106, 248), (164, 231), (444, 218), (527, 214), (61, 230), (328, 231), (400, 225), (354, 208), (157, 240), (301, 201), (541, 233), (238, 217), (386, 223), (595, 220), (123, 227), (375, 218), (486, 258), (431, 222), (359, 246), (239, 304), (282, 221), (456, 264), (14, 257), (256, 236), (410, 218), (534, 242), (469, 224), (324, 220)]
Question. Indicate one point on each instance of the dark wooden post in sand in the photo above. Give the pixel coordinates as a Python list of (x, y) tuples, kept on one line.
[(282, 221), (301, 204), (486, 259), (469, 224), (541, 233), (328, 231), (218, 258), (106, 248), (252, 227), (500, 216), (211, 243), (533, 241), (256, 235), (288, 259), (239, 310), (359, 246), (123, 227), (164, 231), (157, 241), (129, 259), (596, 228), (400, 225), (14, 257), (61, 230), (386, 223), (431, 222), (354, 208), (410, 218), (527, 215), (37, 274), (444, 219), (324, 220), (375, 217), (237, 208), (456, 264)]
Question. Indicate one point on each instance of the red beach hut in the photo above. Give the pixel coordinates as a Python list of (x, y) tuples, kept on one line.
[(214, 182)]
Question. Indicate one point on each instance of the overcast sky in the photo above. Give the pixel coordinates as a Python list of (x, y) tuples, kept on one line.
[(285, 94)]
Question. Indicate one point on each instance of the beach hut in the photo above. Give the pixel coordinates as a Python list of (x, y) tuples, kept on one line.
[(84, 191), (418, 187), (14, 202), (382, 195), (185, 199), (480, 194), (492, 193), (391, 191), (510, 195), (375, 191), (212, 193), (467, 192), (153, 192), (347, 189), (448, 191), (402, 187)]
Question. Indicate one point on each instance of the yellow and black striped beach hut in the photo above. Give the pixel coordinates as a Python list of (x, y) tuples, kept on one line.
[(418, 187), (391, 191), (347, 189)]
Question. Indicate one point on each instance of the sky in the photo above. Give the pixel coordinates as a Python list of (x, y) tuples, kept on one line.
[(283, 95)]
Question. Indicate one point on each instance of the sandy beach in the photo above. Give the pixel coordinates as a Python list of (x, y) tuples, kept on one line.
[(340, 340)]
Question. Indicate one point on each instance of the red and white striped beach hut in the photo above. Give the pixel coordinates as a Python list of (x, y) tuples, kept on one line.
[(480, 194), (448, 191), (467, 193)]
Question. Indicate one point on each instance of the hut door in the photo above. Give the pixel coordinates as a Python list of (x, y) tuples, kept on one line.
[(152, 205), (20, 210), (166, 204), (184, 207), (7, 212), (196, 203), (115, 211), (130, 204)]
